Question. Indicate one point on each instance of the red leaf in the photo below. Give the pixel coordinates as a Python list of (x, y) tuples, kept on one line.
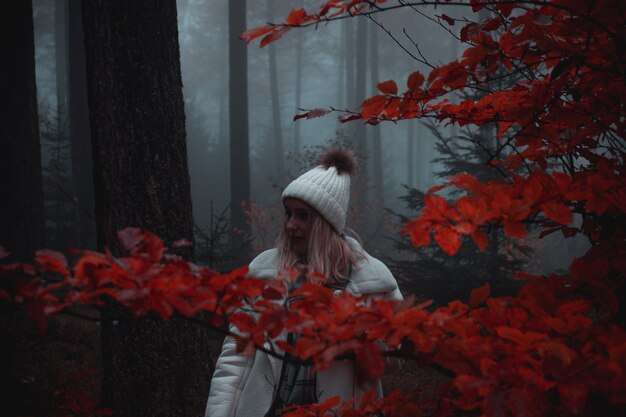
[(515, 229), (491, 24), (52, 261), (480, 239), (415, 81), (557, 211), (573, 397), (469, 31), (476, 5), (251, 34), (349, 117), (277, 33), (448, 19), (548, 232), (448, 239), (480, 294), (296, 17), (373, 106), (388, 87), (129, 238), (311, 114), (370, 360), (154, 246), (502, 128)]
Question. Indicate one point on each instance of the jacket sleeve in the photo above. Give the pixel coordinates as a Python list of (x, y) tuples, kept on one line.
[(231, 368), (228, 380)]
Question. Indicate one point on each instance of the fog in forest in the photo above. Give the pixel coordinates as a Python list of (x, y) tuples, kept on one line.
[(311, 68)]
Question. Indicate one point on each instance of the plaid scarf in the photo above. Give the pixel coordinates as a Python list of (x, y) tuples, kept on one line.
[(297, 383)]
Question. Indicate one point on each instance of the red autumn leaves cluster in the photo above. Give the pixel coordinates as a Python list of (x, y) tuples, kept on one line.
[(598, 192), (558, 109), (554, 349), (508, 354)]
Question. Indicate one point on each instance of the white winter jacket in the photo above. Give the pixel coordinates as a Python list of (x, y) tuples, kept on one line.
[(243, 386)]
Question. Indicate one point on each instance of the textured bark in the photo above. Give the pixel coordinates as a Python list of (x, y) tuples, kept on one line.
[(60, 52), (410, 155), (239, 142), (377, 151), (279, 155), (151, 368), (299, 46), (80, 142), (360, 140), (21, 196)]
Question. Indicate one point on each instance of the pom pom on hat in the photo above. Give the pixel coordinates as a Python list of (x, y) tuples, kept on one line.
[(342, 159), (327, 186)]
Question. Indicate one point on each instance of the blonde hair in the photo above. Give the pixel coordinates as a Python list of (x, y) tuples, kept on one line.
[(328, 253)]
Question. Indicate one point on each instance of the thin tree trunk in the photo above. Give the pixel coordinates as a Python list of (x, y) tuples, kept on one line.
[(377, 152), (239, 142), (349, 47), (359, 95), (80, 141), (150, 367), (298, 98), (279, 156), (410, 154), (60, 46)]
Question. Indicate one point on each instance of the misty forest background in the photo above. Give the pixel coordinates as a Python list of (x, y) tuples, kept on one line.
[(337, 65), (309, 68)]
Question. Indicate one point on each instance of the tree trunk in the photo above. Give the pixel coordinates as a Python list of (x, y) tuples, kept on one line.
[(299, 46), (350, 82), (60, 51), (377, 151), (22, 213), (238, 113), (80, 144), (410, 154), (279, 156), (360, 139), (21, 190), (150, 367), (341, 79)]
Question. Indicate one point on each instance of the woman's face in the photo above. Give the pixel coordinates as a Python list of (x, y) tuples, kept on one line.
[(297, 222)]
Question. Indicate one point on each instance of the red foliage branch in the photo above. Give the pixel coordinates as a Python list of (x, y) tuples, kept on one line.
[(561, 118), (541, 353), (554, 349)]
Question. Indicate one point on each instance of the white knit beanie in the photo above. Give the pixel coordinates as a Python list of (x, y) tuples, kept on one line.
[(327, 186)]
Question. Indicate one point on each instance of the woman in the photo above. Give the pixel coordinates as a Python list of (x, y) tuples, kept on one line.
[(315, 204)]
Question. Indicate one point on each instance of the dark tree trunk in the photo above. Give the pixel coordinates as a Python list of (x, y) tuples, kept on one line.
[(341, 79), (360, 140), (377, 151), (60, 52), (21, 191), (238, 111), (410, 154), (279, 156), (80, 144), (21, 209), (349, 47), (151, 368), (299, 46)]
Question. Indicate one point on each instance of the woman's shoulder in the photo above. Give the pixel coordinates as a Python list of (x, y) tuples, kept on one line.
[(371, 275), (265, 264)]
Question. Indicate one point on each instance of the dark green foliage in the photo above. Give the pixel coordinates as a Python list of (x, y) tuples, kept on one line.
[(429, 273)]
